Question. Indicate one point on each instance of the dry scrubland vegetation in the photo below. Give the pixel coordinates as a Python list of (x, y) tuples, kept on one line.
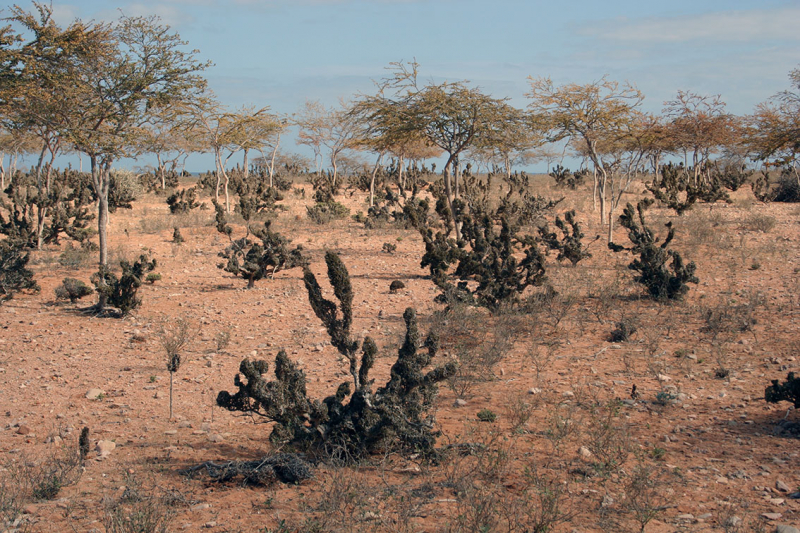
[(387, 347)]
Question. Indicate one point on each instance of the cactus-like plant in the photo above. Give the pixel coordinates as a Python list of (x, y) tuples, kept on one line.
[(675, 188), (663, 282), (254, 261), (367, 421), (494, 251), (789, 391), (14, 274), (122, 292), (570, 246), (183, 201)]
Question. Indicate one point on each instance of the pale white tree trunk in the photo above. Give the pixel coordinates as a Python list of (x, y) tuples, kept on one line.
[(372, 181)]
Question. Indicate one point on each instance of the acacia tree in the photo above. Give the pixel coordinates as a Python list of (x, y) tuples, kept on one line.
[(699, 126), (142, 68), (272, 140), (595, 114), (382, 120), (216, 127), (14, 141), (774, 128), (38, 68), (252, 130), (450, 116), (170, 135), (334, 129)]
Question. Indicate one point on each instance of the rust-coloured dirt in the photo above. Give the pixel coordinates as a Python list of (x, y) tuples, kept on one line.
[(717, 445)]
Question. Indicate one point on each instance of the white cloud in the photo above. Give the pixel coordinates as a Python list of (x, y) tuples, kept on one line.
[(64, 14), (728, 26), (169, 15)]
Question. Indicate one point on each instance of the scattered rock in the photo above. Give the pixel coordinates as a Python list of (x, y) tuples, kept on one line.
[(105, 447), (584, 452), (199, 507), (771, 516), (23, 430), (95, 394), (216, 437), (534, 390), (782, 528), (781, 486), (733, 522), (460, 402)]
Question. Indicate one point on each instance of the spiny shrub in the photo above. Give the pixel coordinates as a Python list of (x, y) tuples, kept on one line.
[(569, 246), (492, 250), (121, 292), (40, 215), (786, 189), (324, 212), (345, 425), (662, 282), (177, 238), (732, 175), (14, 274), (73, 290), (254, 261), (675, 188), (183, 201), (789, 391), (123, 190), (565, 178)]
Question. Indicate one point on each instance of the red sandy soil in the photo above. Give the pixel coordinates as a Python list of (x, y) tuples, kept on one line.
[(717, 444)]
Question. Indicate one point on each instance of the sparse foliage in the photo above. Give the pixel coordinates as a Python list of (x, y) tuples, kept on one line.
[(174, 335), (73, 290)]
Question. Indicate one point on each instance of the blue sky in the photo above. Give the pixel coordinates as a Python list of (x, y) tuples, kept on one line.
[(281, 52)]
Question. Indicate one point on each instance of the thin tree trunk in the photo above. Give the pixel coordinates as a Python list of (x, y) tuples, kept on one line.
[(372, 181), (101, 183), (448, 191), (161, 172), (170, 394), (218, 163), (602, 195), (272, 159), (610, 227), (41, 210), (335, 170), (400, 179), (246, 170)]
